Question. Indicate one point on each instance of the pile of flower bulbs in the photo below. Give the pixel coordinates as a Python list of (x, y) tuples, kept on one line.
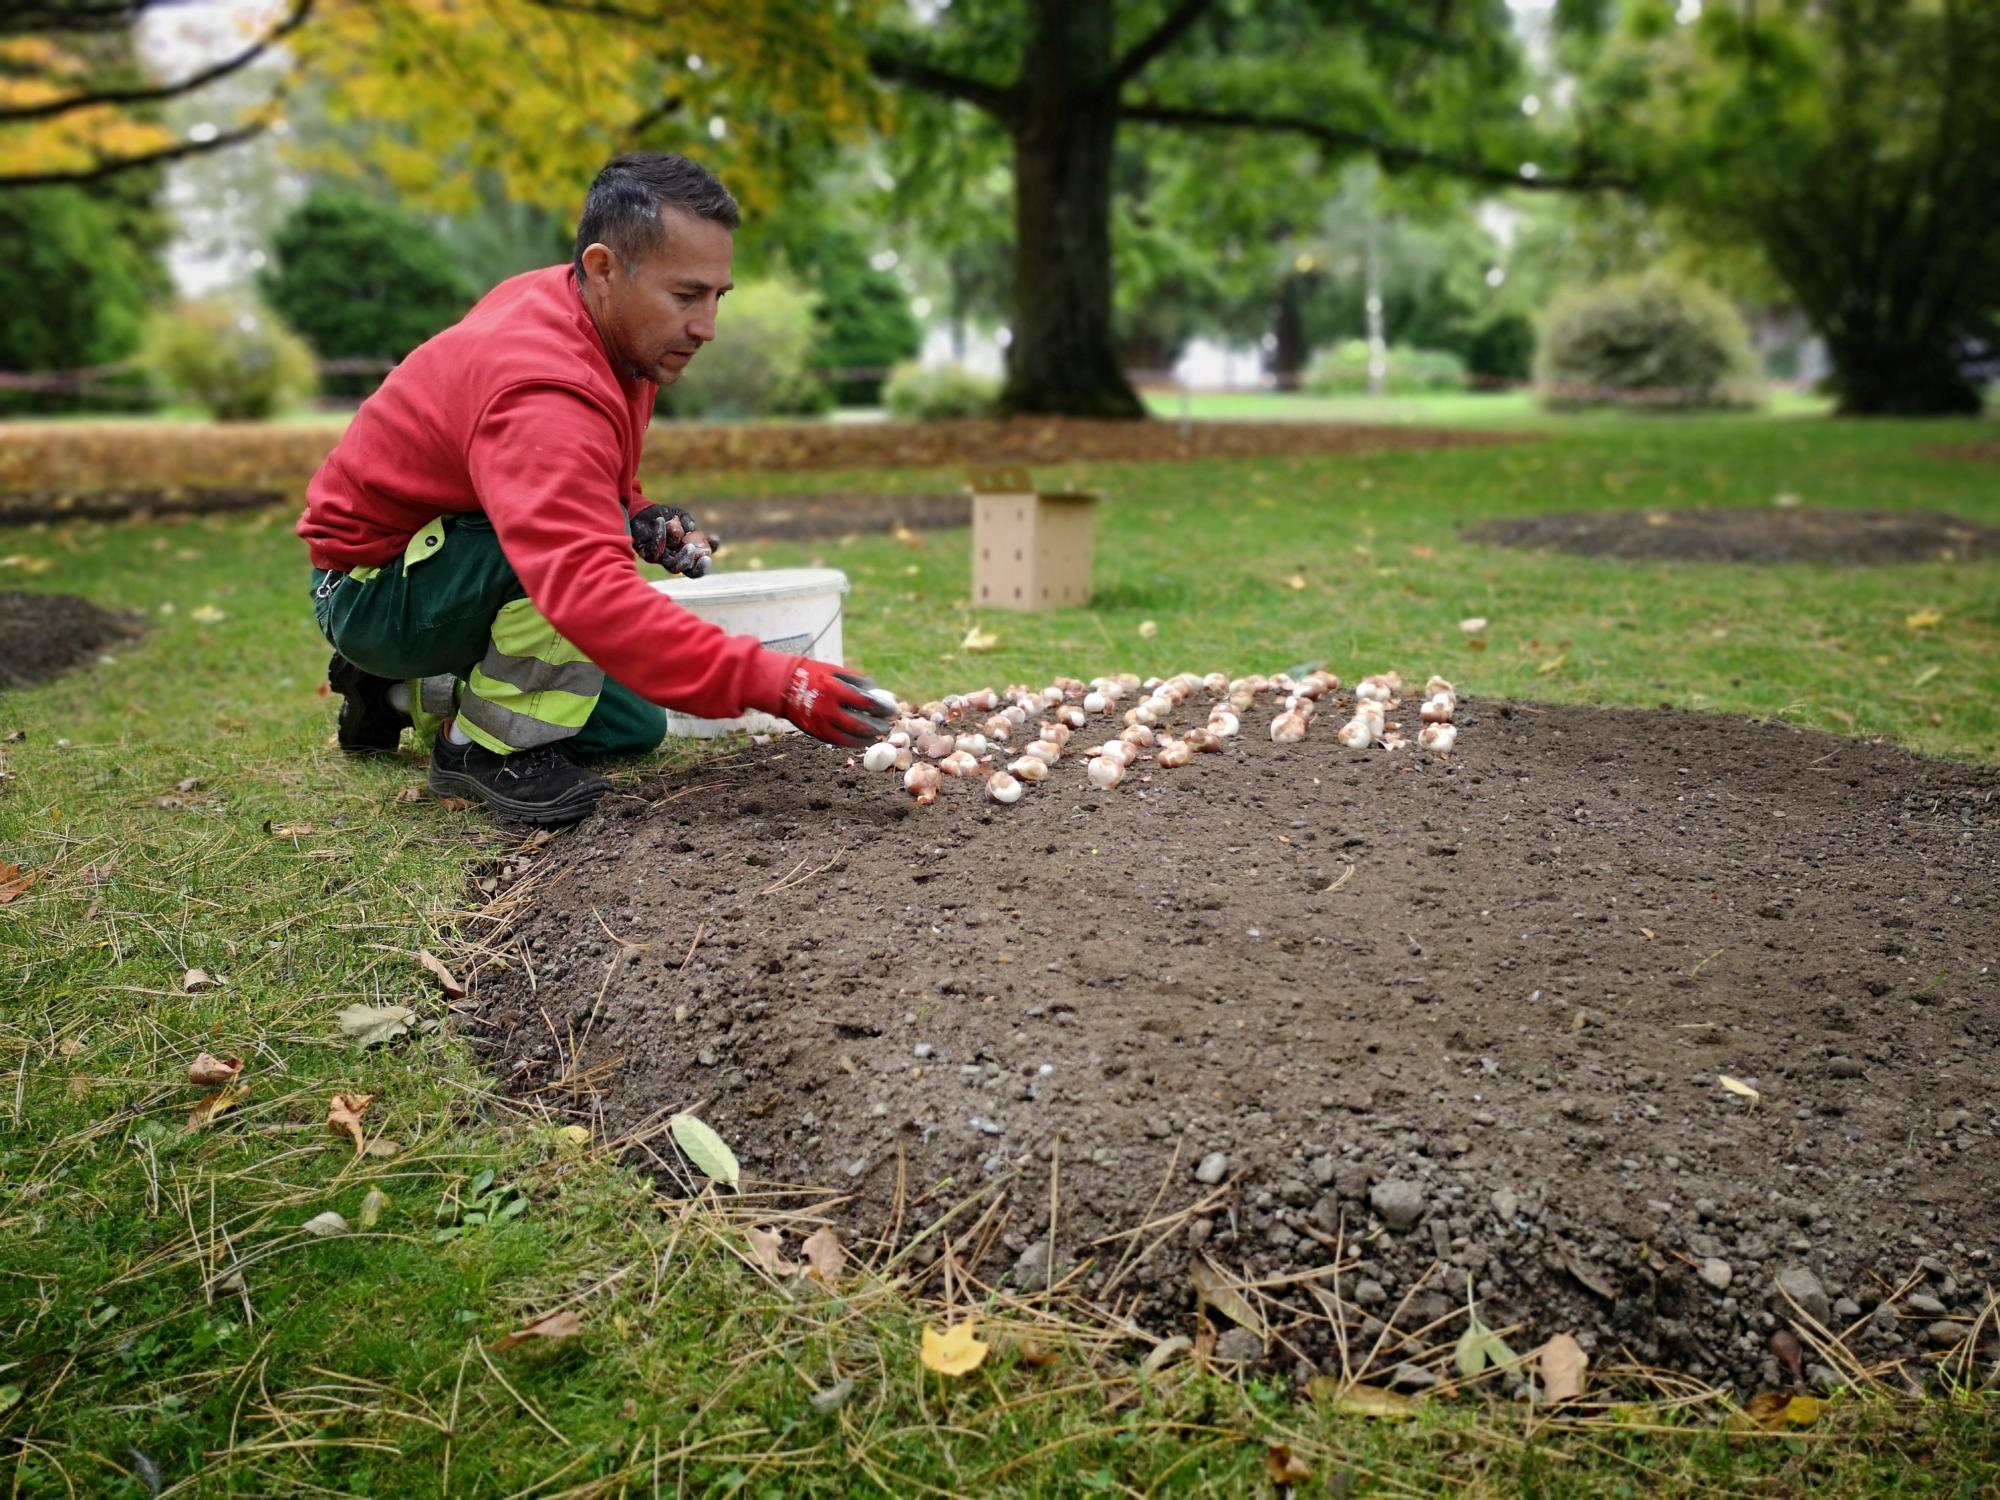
[(970, 735)]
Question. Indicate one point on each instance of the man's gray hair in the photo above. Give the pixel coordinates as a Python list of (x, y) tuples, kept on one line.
[(623, 209)]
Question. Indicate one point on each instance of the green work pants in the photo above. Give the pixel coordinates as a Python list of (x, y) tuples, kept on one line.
[(450, 618)]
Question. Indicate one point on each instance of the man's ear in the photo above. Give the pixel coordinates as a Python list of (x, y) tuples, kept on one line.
[(598, 264)]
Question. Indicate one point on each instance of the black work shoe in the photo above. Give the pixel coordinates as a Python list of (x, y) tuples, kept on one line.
[(369, 723), (540, 786)]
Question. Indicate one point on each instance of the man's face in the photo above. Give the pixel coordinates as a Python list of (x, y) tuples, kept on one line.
[(656, 317)]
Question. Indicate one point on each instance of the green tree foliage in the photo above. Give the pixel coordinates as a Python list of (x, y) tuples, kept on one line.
[(1856, 144), (760, 364), (75, 280), (363, 280), (863, 315), (1647, 341), (233, 359)]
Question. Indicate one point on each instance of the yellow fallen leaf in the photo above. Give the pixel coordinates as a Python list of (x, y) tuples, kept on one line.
[(1738, 1086), (1296, 581), (979, 640), (1148, 629), (1923, 619), (574, 1135), (1284, 1467), (1355, 1400), (206, 614), (956, 1351), (207, 1111)]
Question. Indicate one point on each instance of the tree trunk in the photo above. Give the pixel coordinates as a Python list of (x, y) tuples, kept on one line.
[(1880, 374), (1289, 352), (1062, 359)]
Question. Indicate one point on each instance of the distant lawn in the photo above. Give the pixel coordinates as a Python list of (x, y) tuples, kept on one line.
[(168, 1323)]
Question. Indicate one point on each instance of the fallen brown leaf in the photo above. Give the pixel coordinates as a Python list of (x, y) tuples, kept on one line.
[(767, 1248), (344, 1114), (14, 880), (453, 804), (555, 1325), (212, 1072), (1284, 1467), (452, 988), (410, 794), (1562, 1362), (825, 1256)]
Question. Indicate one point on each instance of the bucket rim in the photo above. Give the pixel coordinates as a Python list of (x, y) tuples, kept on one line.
[(748, 586)]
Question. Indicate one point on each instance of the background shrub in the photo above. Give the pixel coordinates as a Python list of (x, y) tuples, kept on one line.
[(235, 360), (1343, 370), (1502, 348), (759, 364), (864, 320), (938, 393), (76, 278), (363, 280), (1652, 341)]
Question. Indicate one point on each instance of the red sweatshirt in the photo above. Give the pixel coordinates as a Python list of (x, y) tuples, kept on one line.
[(517, 411)]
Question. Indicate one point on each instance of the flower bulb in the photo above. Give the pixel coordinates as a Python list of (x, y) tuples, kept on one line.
[(1106, 772), (923, 779), (1028, 768), (879, 757), (1438, 737), (1288, 728), (1003, 788)]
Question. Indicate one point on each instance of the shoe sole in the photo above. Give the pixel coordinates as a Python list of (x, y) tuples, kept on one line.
[(538, 815)]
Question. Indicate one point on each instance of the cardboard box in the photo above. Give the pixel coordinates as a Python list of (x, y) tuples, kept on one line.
[(1029, 551)]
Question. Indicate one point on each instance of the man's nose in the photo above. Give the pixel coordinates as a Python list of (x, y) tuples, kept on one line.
[(702, 324)]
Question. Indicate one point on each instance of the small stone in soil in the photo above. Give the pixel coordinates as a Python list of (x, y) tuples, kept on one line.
[(1239, 1346), (1717, 1274), (1799, 1284), (1400, 1204), (1212, 1169)]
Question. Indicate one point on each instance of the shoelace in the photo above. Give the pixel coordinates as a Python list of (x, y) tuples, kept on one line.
[(525, 763)]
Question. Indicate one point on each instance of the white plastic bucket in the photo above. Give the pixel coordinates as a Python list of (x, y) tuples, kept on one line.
[(794, 610)]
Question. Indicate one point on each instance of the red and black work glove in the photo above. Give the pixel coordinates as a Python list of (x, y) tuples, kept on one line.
[(830, 703), (667, 535)]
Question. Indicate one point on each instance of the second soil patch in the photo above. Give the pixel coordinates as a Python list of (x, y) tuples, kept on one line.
[(1798, 534)]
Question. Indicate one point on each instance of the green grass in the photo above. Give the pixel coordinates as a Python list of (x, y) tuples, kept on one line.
[(353, 1363)]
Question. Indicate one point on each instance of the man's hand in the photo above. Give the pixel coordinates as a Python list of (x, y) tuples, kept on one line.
[(830, 703), (667, 535)]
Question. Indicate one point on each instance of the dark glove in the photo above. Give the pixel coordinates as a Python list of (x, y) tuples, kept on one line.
[(666, 534), (833, 704)]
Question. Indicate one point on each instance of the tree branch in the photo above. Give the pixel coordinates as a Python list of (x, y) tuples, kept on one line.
[(115, 165), (1388, 152), (116, 98), (896, 66), (1170, 30), (37, 19), (665, 109)]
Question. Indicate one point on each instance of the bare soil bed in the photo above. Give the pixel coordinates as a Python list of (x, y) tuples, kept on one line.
[(1775, 535), (95, 470), (1301, 1008), (45, 635), (771, 518)]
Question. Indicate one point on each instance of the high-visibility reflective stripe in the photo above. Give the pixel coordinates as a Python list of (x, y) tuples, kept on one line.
[(437, 695), (501, 729), (532, 675), (519, 629)]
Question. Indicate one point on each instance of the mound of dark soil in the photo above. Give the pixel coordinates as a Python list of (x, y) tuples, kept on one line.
[(1773, 535), (46, 635), (1460, 1017)]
